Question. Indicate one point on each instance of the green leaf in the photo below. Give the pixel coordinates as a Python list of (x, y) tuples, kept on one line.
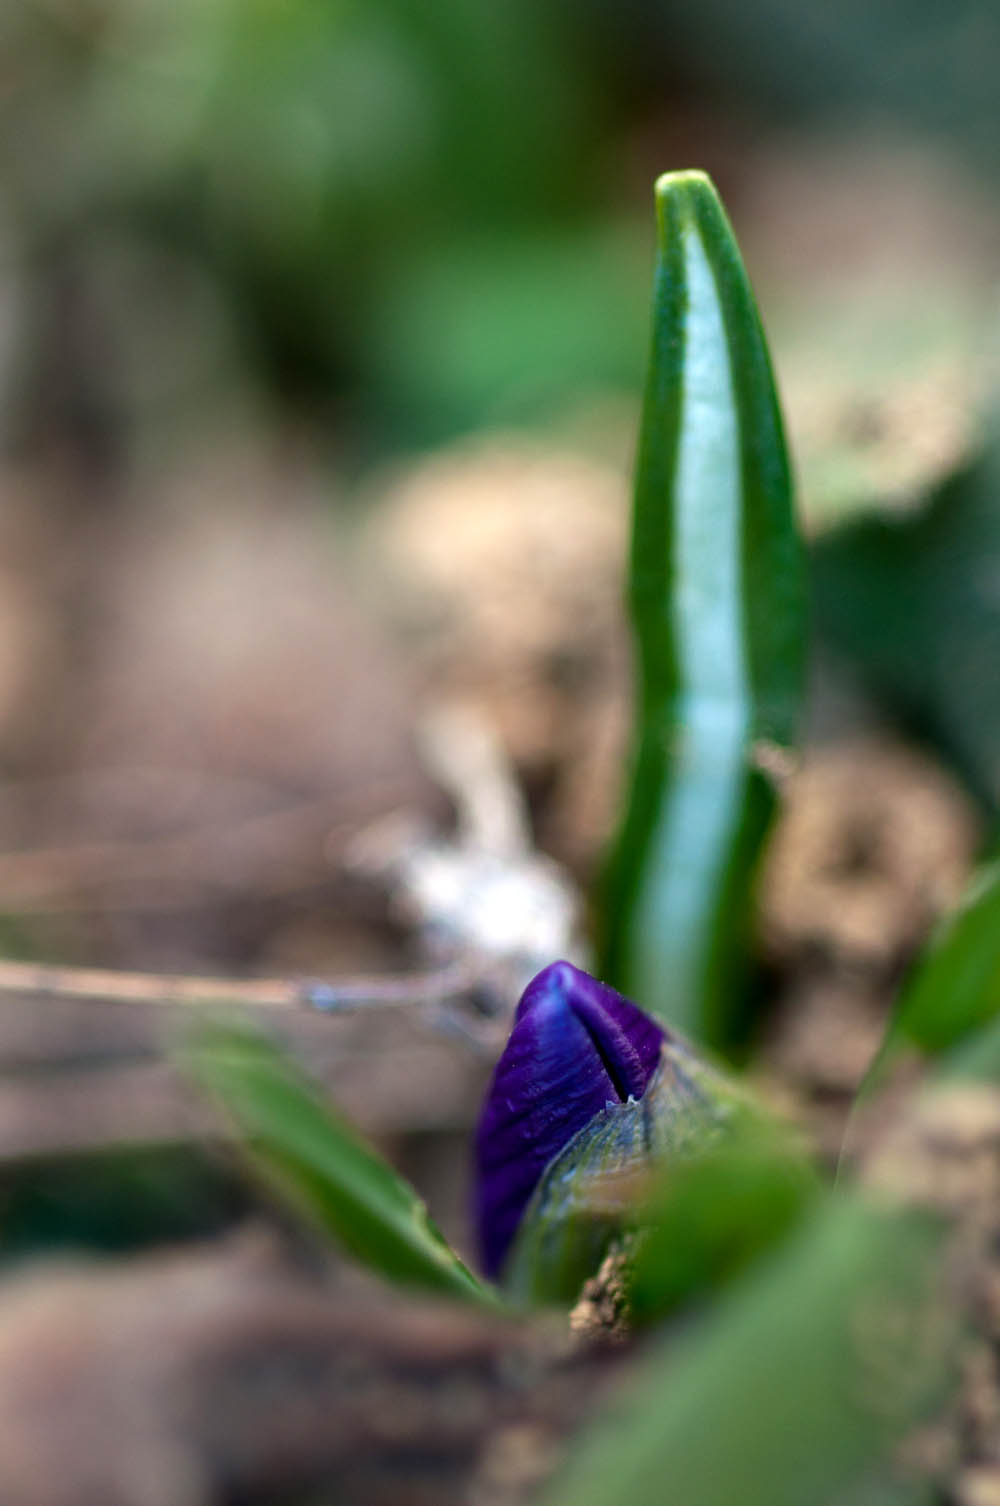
[(717, 602), (322, 1166), (798, 1385), (977, 1059), (975, 1054), (953, 990), (911, 602), (710, 1217), (955, 987)]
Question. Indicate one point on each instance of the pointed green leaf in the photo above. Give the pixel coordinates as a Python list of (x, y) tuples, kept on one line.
[(717, 602), (321, 1164), (954, 988)]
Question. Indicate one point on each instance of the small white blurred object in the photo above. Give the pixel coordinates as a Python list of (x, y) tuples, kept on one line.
[(484, 895)]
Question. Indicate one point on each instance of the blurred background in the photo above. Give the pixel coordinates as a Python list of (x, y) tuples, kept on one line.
[(322, 335)]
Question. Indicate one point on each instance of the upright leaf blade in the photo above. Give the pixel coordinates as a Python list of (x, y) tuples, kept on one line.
[(322, 1164), (953, 991), (955, 988), (716, 593), (949, 1005)]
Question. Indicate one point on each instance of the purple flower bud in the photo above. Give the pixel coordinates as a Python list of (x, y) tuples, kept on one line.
[(576, 1046)]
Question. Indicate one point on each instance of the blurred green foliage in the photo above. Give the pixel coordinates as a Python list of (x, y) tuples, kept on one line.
[(710, 1217), (415, 218), (797, 1384), (277, 168), (955, 986), (913, 601), (118, 1200)]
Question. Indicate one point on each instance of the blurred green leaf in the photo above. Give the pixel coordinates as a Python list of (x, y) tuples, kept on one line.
[(299, 157), (797, 1386), (710, 1217), (955, 987), (950, 1003), (316, 1159), (119, 1198), (974, 1053), (977, 1058), (914, 603), (717, 598)]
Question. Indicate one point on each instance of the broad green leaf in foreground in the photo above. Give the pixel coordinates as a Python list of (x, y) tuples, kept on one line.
[(314, 1157), (717, 603), (797, 1386), (708, 1218)]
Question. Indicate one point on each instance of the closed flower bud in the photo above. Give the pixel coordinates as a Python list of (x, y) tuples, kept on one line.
[(577, 1048)]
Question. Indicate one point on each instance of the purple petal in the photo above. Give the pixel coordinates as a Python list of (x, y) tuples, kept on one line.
[(576, 1046)]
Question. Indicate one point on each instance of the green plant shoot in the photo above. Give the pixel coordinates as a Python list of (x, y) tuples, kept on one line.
[(953, 990), (716, 595)]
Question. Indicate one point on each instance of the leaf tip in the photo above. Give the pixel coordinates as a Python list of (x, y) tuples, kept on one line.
[(686, 180), (688, 200)]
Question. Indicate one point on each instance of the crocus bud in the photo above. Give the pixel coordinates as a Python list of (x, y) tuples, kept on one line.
[(577, 1047), (597, 1190)]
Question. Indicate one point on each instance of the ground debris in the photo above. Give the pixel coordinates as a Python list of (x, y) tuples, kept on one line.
[(601, 1314), (228, 1375), (875, 842)]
